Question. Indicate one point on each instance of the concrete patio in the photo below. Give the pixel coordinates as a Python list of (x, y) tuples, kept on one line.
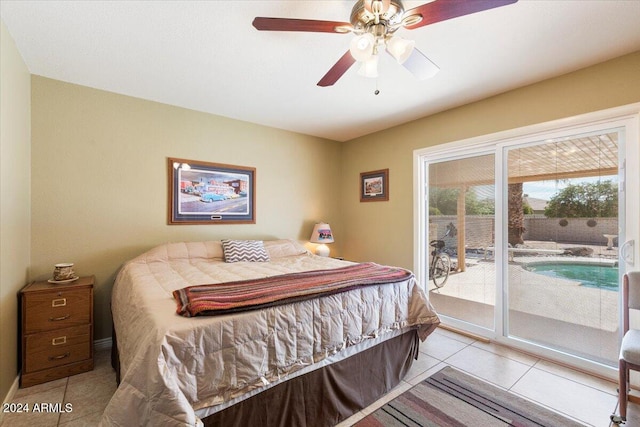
[(554, 312)]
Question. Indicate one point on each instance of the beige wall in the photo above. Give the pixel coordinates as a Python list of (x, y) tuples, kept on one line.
[(99, 173), (15, 210), (383, 231)]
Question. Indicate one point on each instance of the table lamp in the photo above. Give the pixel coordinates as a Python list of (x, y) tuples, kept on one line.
[(322, 234)]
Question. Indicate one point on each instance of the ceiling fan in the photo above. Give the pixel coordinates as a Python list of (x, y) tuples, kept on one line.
[(374, 23)]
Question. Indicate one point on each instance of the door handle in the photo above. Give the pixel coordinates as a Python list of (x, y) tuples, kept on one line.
[(627, 250)]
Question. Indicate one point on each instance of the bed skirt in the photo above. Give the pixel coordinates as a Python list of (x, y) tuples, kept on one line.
[(323, 397), (328, 395)]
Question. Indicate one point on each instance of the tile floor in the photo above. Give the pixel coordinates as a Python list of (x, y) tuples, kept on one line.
[(579, 396), (88, 393)]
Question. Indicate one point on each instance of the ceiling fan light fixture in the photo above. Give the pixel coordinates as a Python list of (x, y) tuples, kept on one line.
[(361, 47), (369, 68), (400, 48)]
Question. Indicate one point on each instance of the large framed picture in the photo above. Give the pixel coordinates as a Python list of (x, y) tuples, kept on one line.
[(374, 186), (211, 193)]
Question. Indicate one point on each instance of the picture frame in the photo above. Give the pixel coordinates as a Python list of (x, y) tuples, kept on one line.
[(374, 186), (210, 193)]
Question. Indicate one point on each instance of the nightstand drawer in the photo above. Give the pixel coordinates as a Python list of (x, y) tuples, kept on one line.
[(58, 339), (57, 309), (53, 357)]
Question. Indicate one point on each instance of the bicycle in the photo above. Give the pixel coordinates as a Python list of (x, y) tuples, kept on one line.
[(440, 260)]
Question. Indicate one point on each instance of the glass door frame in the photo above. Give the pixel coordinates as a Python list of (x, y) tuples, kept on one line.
[(626, 117)]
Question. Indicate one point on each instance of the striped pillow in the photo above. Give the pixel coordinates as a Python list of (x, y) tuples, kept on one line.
[(244, 250)]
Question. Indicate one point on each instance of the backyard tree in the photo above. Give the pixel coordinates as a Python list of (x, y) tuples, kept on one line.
[(444, 201), (584, 200), (516, 214)]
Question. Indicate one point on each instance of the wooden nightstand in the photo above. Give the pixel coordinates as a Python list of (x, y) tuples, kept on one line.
[(56, 330)]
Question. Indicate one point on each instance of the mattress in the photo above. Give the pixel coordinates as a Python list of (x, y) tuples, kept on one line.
[(176, 370)]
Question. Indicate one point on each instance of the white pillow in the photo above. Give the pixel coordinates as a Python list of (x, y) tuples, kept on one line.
[(283, 248), (244, 250)]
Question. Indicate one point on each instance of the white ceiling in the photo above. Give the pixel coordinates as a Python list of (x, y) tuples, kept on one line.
[(206, 56)]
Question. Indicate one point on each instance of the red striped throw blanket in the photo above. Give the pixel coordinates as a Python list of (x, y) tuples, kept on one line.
[(223, 298)]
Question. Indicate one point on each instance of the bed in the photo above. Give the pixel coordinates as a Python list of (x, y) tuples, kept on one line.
[(312, 360)]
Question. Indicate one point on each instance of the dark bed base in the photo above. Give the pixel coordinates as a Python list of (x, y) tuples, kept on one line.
[(115, 356), (323, 397), (328, 395)]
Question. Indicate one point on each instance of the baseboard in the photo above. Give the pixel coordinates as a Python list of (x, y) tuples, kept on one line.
[(9, 397)]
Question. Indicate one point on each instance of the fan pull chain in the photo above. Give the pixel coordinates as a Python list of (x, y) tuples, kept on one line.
[(376, 92)]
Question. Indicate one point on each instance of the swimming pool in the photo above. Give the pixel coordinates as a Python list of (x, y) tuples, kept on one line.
[(591, 275)]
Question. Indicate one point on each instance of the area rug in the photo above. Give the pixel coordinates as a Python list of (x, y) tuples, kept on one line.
[(450, 398)]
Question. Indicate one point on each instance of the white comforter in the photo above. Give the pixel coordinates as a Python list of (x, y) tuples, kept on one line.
[(175, 368)]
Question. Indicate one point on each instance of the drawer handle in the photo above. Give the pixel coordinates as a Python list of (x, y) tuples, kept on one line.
[(59, 340), (57, 319), (62, 356), (60, 302)]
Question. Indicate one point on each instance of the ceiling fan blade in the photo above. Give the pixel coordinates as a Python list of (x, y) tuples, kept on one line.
[(286, 24), (420, 66), (339, 68), (441, 10)]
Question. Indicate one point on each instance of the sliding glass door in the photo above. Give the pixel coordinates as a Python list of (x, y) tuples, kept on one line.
[(562, 236), (461, 215), (538, 228)]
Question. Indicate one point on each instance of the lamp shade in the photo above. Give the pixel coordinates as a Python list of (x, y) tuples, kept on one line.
[(321, 233), (369, 68), (361, 46), (400, 48)]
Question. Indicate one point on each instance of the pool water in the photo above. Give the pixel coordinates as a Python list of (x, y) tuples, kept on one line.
[(594, 276)]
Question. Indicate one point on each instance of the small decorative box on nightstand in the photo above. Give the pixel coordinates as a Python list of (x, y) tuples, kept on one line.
[(56, 330)]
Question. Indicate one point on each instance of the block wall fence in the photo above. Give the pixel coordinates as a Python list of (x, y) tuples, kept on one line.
[(480, 230)]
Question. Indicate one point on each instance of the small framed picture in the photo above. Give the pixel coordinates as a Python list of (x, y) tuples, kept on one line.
[(374, 186), (211, 193)]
